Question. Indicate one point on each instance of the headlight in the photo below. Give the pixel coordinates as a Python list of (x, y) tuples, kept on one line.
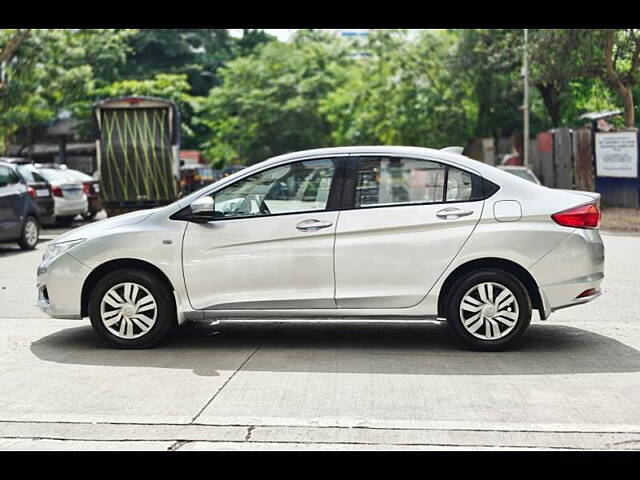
[(53, 251)]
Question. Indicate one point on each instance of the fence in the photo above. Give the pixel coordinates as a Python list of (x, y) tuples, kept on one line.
[(565, 158)]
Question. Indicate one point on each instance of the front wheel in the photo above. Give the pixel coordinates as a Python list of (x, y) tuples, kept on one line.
[(488, 310), (132, 309)]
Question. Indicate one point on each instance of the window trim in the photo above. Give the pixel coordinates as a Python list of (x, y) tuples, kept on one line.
[(349, 200)]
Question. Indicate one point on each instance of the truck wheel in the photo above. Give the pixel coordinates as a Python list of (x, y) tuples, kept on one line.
[(132, 308), (30, 234)]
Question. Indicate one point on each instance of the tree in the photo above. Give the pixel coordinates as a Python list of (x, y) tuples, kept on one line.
[(622, 60), (268, 102), (198, 53), (49, 70), (403, 91)]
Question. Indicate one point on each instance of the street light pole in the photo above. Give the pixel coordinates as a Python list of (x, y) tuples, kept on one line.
[(525, 109)]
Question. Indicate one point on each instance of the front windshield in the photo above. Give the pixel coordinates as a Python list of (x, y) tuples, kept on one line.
[(184, 201)]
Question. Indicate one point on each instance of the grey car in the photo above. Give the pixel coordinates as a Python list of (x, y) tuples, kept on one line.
[(19, 215)]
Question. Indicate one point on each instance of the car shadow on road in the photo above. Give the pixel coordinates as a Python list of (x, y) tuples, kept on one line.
[(12, 249), (408, 349)]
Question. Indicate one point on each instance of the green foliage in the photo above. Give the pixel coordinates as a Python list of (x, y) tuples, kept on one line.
[(54, 70), (198, 53), (245, 99), (403, 91), (269, 101)]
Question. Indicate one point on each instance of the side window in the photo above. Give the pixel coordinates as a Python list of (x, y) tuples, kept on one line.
[(463, 186), (295, 187), (398, 181), (8, 177)]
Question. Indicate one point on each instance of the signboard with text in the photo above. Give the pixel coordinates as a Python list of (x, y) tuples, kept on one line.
[(617, 154)]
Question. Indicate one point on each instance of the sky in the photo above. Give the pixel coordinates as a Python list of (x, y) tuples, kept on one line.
[(283, 34)]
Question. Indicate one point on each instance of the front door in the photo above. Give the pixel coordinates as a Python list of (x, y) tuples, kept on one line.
[(271, 244), (403, 230)]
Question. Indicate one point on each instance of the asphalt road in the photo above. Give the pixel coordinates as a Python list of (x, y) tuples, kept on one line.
[(573, 383)]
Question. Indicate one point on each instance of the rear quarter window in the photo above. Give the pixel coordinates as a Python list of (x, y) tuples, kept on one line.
[(463, 186)]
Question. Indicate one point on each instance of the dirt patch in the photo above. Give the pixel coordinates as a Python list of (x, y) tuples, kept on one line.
[(620, 219)]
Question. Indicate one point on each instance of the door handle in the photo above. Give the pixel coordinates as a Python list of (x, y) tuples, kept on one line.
[(312, 225), (452, 212)]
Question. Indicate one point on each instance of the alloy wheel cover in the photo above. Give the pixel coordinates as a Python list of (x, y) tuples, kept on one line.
[(489, 311), (128, 310)]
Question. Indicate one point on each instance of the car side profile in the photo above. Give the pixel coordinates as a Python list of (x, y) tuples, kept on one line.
[(19, 214), (353, 232)]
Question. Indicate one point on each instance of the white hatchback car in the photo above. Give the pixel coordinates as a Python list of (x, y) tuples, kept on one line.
[(366, 232)]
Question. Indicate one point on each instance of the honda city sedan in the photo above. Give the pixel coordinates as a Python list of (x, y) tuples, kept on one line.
[(377, 233)]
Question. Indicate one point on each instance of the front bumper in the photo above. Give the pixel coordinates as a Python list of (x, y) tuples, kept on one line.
[(59, 287)]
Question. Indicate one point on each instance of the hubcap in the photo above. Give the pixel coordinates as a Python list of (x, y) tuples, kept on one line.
[(489, 311), (128, 310), (31, 232)]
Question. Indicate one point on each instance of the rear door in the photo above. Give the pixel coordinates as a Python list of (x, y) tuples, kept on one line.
[(12, 193), (401, 229)]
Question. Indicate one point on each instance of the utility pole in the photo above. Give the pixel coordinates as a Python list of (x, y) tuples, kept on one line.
[(525, 74)]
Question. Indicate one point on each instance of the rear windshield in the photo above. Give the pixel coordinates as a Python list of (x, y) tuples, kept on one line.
[(58, 176), (30, 173), (78, 175)]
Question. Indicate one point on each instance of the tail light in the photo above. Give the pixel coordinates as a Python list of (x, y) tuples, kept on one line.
[(584, 216), (57, 191), (86, 188), (32, 192)]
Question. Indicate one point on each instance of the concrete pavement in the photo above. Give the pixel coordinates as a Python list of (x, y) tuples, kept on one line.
[(573, 383)]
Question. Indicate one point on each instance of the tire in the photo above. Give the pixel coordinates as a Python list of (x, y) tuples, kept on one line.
[(30, 234), (493, 283), (65, 221), (147, 284), (89, 215)]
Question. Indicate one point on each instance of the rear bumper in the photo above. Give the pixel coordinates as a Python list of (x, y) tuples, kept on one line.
[(580, 300), (571, 268), (65, 207)]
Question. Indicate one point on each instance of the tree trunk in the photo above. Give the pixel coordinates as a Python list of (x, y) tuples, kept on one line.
[(625, 91), (550, 97), (627, 100)]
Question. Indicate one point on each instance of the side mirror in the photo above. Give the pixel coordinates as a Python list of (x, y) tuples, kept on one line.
[(202, 210)]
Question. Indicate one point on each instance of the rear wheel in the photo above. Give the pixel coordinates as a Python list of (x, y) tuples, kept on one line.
[(488, 310), (89, 215), (132, 309), (30, 234)]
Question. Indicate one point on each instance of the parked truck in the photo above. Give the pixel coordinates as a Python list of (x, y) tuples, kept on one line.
[(137, 153)]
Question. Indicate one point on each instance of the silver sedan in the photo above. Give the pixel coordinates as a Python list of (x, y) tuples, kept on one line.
[(354, 232)]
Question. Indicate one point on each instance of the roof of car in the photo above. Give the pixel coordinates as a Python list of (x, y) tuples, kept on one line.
[(428, 153), (513, 167)]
